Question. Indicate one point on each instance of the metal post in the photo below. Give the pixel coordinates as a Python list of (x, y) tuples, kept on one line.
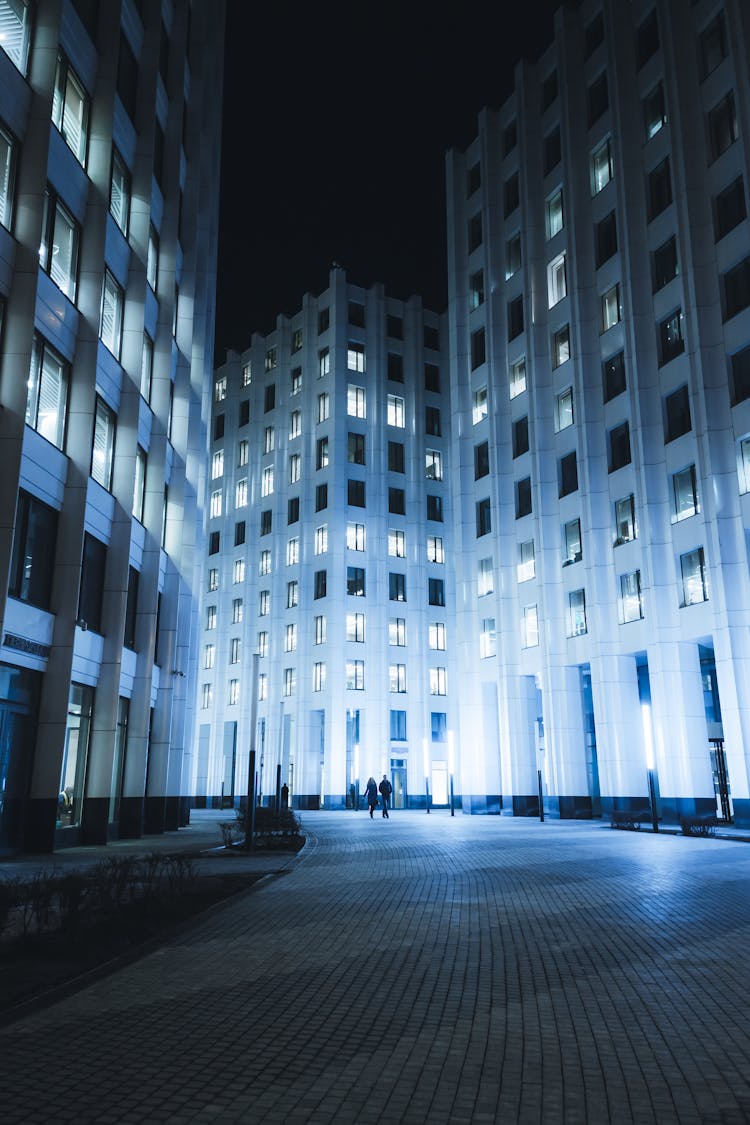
[(452, 809), (541, 797), (250, 809), (427, 791), (652, 801), (278, 789)]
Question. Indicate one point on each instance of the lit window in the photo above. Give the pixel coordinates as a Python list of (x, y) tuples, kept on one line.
[(625, 525), (292, 594), (238, 611), (320, 629), (207, 696), (268, 439), (564, 409), (433, 464), (572, 542), (247, 374), (670, 337), (355, 627), (319, 676), (139, 483), (262, 687), (601, 166), (438, 681), (397, 543), (240, 493), (266, 485), (119, 192), (113, 301), (485, 578), (685, 494), (611, 310), (576, 613), (243, 450), (355, 357), (435, 552), (220, 389), (631, 602), (215, 505), (213, 579), (321, 539), (292, 552), (270, 360), (103, 444), (295, 468), (324, 362), (529, 627), (323, 406), (295, 423), (355, 675), (526, 565), (397, 678), (654, 111), (487, 638), (290, 638), (235, 649), (15, 21), (396, 411), (397, 632), (58, 252), (209, 656), (70, 107), (476, 290), (238, 571), (217, 464), (479, 410), (152, 258), (233, 696), (436, 636), (264, 603), (264, 562), (557, 283), (561, 346), (355, 536), (211, 617), (517, 378), (47, 393), (356, 401), (554, 214), (694, 577), (296, 380)]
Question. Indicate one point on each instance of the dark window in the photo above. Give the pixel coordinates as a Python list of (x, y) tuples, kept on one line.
[(439, 726), (619, 447), (319, 585), (397, 501), (269, 398), (395, 367), (324, 319), (398, 726), (659, 189), (356, 449), (431, 337), (159, 154), (510, 194), (436, 591), (605, 233), (127, 78), (321, 497), (214, 543), (394, 327), (292, 510), (218, 427), (477, 348), (239, 533), (164, 55), (654, 111), (432, 377), (647, 39), (722, 126), (355, 493), (475, 232), (549, 90), (397, 587), (481, 460), (515, 317), (355, 581), (357, 314), (523, 497), (435, 508), (91, 592), (321, 453), (568, 474), (552, 151), (131, 608), (33, 558), (266, 521), (520, 436), (395, 456), (677, 414), (664, 264), (510, 137), (484, 517), (593, 35), (735, 284), (670, 338), (432, 421), (244, 412), (613, 376), (740, 375), (473, 178), (597, 97), (729, 208), (713, 45)]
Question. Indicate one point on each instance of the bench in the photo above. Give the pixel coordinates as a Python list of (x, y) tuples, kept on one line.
[(703, 825), (630, 819)]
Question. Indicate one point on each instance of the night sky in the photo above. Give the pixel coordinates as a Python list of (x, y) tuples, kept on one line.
[(337, 118)]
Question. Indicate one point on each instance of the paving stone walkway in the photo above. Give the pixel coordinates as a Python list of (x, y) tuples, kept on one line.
[(425, 969)]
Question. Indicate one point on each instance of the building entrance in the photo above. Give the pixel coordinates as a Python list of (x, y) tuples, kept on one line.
[(724, 810), (398, 780)]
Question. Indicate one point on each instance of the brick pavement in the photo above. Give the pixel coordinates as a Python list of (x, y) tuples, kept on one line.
[(426, 969)]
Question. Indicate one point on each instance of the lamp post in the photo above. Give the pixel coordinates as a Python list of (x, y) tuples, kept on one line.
[(450, 768), (426, 755), (648, 739)]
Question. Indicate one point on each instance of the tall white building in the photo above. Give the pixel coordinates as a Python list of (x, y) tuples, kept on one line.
[(329, 556), (599, 328), (109, 157)]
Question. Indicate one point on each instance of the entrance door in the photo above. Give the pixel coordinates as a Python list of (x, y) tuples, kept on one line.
[(724, 810), (398, 775)]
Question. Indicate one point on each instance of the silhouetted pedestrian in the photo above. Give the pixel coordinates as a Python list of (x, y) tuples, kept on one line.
[(371, 792), (386, 789)]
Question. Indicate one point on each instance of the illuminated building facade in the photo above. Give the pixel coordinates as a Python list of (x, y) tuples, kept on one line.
[(329, 549), (109, 149), (599, 327)]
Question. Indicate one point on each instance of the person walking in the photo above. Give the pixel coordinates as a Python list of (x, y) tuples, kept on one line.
[(371, 792), (386, 789)]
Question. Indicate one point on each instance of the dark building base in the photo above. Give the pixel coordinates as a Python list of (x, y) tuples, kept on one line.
[(153, 816), (741, 813), (309, 801), (672, 809), (130, 824), (568, 808), (94, 820), (482, 804)]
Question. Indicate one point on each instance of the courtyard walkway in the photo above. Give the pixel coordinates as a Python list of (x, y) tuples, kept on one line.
[(424, 970)]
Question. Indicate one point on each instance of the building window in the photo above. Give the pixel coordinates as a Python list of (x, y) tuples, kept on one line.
[(433, 464), (478, 353), (395, 457), (238, 571), (295, 468), (739, 366), (355, 357), (436, 591), (611, 308), (292, 551), (619, 446), (476, 289), (554, 215), (103, 444), (671, 341), (240, 493), (295, 423), (270, 359), (658, 189), (91, 590), (438, 681), (529, 627), (613, 376), (526, 564), (120, 192), (264, 562), (436, 636), (473, 178), (474, 232), (235, 650), (568, 474), (324, 362), (113, 303), (434, 508), (70, 108), (58, 251), (515, 318), (523, 498), (685, 494), (266, 522), (394, 327), (557, 282), (735, 285), (520, 437), (481, 460), (233, 694), (319, 628), (262, 687), (33, 553), (676, 414), (396, 411), (269, 398), (646, 39), (561, 346), (722, 126), (152, 257), (321, 497), (214, 538), (207, 696), (625, 524), (398, 726), (605, 238), (213, 579), (483, 517), (292, 594), (512, 256), (479, 408), (215, 504), (572, 542), (15, 20), (654, 111), (355, 493), (487, 638), (510, 137), (549, 90), (290, 681), (551, 151), (397, 678), (47, 393), (435, 551), (324, 320), (237, 611), (694, 577), (597, 98), (395, 367), (356, 401), (319, 584), (397, 587), (139, 483), (485, 578), (517, 379), (209, 656), (396, 543), (355, 581), (432, 378), (576, 613), (355, 536), (321, 539), (319, 676), (323, 406), (356, 449), (295, 381), (712, 43), (631, 602), (664, 264), (355, 627), (511, 195), (593, 35), (356, 314), (210, 617), (729, 208), (355, 675), (217, 464), (564, 410)]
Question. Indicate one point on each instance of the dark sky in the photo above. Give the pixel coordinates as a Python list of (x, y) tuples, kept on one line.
[(337, 118)]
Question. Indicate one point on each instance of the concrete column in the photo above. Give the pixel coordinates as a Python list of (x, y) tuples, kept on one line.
[(620, 743), (517, 719), (565, 777)]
